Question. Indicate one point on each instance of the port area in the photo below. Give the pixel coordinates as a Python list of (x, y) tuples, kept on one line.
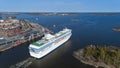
[(14, 32)]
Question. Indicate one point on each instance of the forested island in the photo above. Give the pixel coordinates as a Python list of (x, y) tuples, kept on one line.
[(99, 56)]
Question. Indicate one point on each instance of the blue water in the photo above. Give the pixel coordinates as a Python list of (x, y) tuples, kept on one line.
[(89, 29)]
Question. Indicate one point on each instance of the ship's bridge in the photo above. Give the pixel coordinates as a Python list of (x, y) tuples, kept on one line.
[(49, 36)]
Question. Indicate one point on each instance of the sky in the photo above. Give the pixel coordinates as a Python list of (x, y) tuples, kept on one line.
[(59, 5)]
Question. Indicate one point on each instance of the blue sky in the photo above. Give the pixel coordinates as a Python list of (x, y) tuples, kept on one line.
[(59, 5)]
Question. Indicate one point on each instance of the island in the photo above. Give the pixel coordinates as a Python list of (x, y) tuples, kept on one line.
[(116, 29), (99, 56), (105, 14)]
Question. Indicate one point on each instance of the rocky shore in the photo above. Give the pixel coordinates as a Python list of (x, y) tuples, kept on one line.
[(116, 29), (98, 56)]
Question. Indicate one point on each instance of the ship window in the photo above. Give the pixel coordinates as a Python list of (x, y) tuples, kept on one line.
[(34, 50)]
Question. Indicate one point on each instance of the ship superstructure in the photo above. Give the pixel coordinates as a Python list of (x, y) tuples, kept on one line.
[(48, 43)]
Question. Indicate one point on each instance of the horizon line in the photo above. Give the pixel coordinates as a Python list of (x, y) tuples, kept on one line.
[(54, 12)]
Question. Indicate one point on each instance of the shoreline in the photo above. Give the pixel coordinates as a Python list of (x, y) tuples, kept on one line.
[(79, 55), (117, 29)]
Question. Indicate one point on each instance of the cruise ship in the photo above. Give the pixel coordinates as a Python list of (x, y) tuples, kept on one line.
[(48, 43)]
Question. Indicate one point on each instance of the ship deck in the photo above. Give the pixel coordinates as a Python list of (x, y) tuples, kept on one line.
[(39, 43)]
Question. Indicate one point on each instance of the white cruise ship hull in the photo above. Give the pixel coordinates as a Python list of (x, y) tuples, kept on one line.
[(47, 50)]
